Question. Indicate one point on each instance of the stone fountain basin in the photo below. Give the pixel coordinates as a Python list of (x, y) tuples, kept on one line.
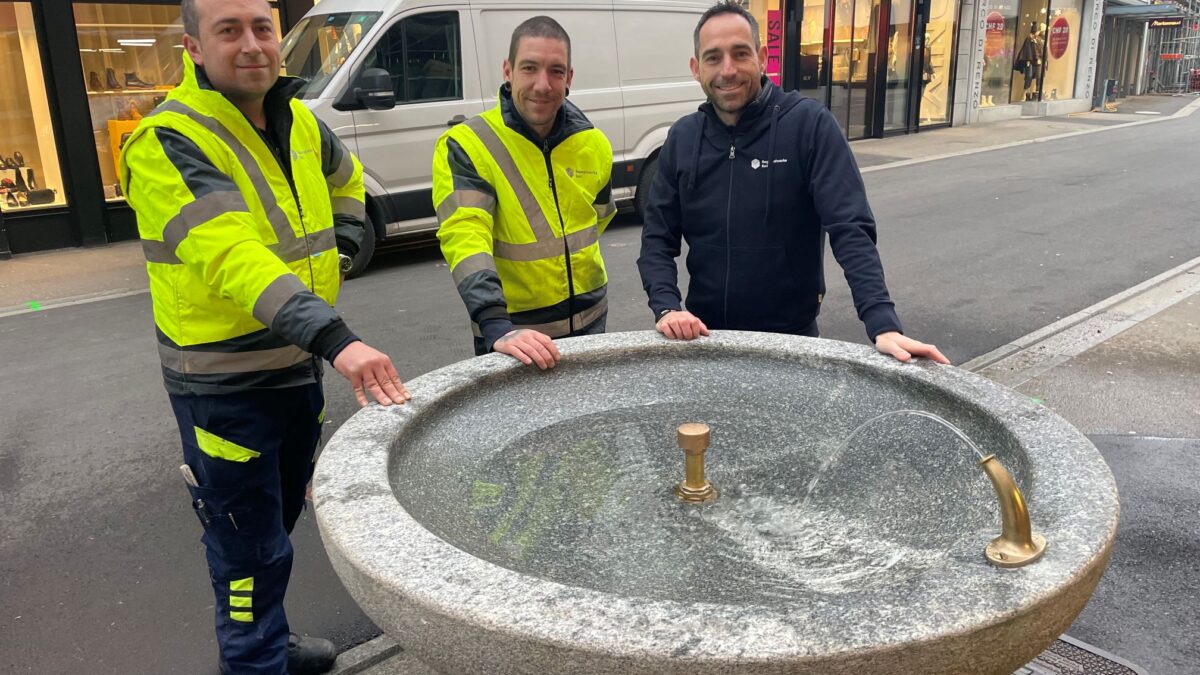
[(515, 521)]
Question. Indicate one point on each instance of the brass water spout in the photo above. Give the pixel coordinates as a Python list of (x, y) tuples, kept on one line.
[(1017, 544), (695, 488)]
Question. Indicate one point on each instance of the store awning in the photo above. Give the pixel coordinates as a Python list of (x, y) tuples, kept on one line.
[(1147, 12)]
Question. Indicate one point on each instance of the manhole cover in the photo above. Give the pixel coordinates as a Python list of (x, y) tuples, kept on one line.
[(1068, 656)]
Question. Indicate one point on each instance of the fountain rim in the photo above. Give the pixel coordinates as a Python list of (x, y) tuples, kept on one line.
[(354, 483)]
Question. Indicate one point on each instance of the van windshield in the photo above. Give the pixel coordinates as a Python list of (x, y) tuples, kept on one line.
[(318, 46)]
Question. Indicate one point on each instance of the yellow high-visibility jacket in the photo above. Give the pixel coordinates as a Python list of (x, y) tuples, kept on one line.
[(520, 219), (241, 230)]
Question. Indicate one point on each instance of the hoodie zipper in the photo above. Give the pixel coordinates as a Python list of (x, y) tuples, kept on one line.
[(728, 224), (566, 244)]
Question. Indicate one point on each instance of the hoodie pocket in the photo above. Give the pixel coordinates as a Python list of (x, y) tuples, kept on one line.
[(767, 292)]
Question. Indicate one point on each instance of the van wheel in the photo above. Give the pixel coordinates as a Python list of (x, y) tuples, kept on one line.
[(365, 251), (642, 196)]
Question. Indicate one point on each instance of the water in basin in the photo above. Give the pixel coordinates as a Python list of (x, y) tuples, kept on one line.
[(801, 513)]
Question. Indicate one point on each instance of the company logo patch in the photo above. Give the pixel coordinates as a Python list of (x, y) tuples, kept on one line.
[(573, 172), (297, 154), (765, 163)]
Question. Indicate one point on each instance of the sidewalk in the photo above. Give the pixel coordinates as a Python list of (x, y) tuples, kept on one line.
[(68, 276)]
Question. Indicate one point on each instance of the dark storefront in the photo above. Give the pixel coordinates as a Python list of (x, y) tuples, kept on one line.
[(881, 66), (79, 75)]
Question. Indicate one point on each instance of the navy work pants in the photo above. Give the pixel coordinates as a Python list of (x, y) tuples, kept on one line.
[(252, 456)]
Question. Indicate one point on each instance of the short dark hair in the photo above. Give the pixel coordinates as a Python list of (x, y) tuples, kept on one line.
[(190, 16), (726, 7), (535, 27)]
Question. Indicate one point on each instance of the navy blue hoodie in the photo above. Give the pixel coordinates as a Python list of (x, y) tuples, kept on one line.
[(755, 202)]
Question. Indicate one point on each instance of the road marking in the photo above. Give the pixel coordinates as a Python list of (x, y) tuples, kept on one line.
[(1184, 112), (1146, 112), (56, 304), (1025, 358)]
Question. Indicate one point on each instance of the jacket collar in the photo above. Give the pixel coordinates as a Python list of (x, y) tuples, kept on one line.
[(569, 121)]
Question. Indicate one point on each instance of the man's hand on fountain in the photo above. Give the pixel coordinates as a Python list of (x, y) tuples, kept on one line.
[(681, 325), (370, 370), (529, 347), (904, 348)]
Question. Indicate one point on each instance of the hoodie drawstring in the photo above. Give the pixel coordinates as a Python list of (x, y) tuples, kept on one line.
[(770, 161), (696, 153)]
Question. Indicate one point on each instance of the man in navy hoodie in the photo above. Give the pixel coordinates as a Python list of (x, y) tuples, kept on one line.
[(754, 182)]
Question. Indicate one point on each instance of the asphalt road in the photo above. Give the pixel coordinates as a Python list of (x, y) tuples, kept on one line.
[(101, 570)]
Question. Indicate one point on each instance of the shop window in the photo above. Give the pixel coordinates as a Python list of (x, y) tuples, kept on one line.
[(936, 74), (423, 56), (1000, 35), (29, 171), (1062, 49), (1029, 58), (131, 58), (812, 50)]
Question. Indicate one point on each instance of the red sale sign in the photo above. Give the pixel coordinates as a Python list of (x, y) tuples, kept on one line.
[(1060, 37), (994, 41), (774, 45)]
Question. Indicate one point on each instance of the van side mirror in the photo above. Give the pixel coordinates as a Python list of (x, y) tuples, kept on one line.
[(374, 89)]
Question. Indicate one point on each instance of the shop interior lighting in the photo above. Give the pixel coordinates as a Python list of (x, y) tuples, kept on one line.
[(112, 51), (137, 42)]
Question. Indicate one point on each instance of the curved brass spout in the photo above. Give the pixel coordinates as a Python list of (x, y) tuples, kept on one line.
[(1017, 544), (695, 488)]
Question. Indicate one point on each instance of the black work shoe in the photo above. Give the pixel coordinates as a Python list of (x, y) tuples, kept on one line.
[(309, 655)]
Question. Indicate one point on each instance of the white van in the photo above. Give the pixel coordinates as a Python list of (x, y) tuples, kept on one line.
[(443, 59)]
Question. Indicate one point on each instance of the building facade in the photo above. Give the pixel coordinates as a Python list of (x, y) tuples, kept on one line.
[(79, 76)]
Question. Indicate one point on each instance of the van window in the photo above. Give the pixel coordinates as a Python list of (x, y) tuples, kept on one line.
[(424, 57), (318, 46)]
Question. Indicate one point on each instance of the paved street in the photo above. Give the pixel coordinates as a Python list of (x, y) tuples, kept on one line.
[(101, 570)]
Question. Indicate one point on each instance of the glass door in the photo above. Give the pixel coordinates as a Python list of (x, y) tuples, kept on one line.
[(853, 76)]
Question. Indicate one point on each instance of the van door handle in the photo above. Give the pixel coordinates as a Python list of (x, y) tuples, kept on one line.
[(457, 119)]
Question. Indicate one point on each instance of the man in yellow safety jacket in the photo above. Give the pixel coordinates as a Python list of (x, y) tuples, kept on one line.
[(248, 208), (522, 194)]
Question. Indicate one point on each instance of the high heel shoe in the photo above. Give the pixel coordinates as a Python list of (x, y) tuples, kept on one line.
[(21, 186), (19, 158), (30, 181)]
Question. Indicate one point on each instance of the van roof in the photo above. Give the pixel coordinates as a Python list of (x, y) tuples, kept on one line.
[(336, 6)]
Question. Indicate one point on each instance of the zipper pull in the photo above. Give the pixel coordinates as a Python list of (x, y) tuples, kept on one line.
[(732, 154)]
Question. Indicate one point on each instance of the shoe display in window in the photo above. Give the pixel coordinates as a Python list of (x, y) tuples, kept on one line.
[(132, 81), (11, 200), (30, 181), (19, 158), (111, 76), (94, 83)]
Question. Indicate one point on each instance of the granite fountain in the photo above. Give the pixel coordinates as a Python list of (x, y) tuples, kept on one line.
[(865, 516)]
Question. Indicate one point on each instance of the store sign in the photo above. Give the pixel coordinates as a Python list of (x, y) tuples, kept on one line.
[(1060, 37), (993, 45), (774, 45), (1166, 23)]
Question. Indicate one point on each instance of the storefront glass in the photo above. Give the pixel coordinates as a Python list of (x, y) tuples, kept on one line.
[(769, 15), (998, 47), (812, 50), (29, 171), (899, 61), (1062, 49), (1029, 57), (131, 58), (936, 73)]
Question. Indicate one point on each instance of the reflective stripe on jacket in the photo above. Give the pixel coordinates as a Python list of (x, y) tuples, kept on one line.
[(241, 236), (520, 219)]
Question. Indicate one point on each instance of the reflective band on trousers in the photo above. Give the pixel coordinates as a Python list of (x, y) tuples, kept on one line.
[(290, 247), (562, 327), (218, 363)]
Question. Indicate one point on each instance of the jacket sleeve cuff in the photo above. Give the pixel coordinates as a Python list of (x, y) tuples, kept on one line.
[(332, 340), (881, 319), (494, 329)]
